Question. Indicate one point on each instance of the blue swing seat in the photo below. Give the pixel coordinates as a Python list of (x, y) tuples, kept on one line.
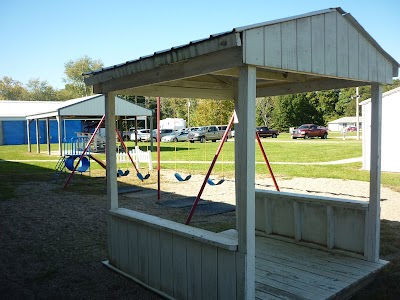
[(210, 182), (121, 173), (141, 177), (180, 178)]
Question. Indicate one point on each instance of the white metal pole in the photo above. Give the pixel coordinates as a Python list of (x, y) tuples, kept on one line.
[(358, 113)]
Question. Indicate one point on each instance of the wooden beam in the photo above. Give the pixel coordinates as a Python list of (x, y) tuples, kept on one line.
[(314, 85), (178, 92), (375, 174), (199, 65), (267, 75), (198, 84), (111, 161), (245, 180)]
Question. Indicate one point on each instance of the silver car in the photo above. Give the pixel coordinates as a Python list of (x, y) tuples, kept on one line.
[(177, 136)]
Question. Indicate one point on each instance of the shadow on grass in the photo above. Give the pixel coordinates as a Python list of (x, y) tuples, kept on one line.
[(386, 284)]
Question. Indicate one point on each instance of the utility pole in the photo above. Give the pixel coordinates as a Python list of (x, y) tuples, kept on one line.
[(358, 113), (188, 122)]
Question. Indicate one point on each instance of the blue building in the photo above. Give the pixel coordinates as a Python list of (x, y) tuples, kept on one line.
[(41, 122)]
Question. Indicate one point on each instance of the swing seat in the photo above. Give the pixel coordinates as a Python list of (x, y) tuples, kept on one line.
[(210, 182), (141, 177), (121, 173), (180, 178)]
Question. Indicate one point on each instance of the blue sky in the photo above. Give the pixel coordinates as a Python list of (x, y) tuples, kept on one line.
[(39, 37)]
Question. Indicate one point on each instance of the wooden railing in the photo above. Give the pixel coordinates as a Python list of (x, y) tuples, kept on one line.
[(173, 259), (333, 223)]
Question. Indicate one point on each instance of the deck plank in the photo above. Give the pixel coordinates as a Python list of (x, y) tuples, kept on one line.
[(290, 271), (339, 258), (325, 263)]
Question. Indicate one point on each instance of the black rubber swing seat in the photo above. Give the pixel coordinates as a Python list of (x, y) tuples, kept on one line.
[(141, 177), (121, 173), (180, 178), (210, 182)]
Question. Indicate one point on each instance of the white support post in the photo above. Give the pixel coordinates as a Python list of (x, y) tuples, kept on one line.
[(111, 162), (375, 174), (28, 135), (245, 181), (48, 135), (37, 135), (60, 138)]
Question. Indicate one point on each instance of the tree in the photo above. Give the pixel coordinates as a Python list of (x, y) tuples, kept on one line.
[(41, 90), (293, 110), (327, 103), (207, 112), (11, 89), (74, 70), (264, 110)]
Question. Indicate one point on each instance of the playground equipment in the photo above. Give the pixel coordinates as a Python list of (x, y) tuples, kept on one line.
[(207, 178), (87, 148), (177, 175), (73, 150)]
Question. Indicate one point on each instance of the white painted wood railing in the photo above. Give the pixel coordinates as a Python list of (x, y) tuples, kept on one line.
[(334, 223), (173, 259)]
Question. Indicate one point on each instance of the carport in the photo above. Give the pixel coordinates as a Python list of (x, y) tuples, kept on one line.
[(321, 50), (91, 107)]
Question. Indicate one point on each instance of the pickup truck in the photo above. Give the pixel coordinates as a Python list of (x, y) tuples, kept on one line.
[(306, 131), (264, 131), (206, 133)]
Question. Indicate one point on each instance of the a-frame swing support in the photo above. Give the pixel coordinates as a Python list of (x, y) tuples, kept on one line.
[(206, 179), (139, 175)]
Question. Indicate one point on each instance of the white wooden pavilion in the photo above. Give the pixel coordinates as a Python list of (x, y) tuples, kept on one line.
[(284, 245)]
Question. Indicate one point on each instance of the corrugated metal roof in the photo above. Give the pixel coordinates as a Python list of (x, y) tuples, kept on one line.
[(19, 110), (16, 109), (348, 16)]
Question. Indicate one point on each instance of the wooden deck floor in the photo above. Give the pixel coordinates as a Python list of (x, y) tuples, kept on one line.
[(290, 271)]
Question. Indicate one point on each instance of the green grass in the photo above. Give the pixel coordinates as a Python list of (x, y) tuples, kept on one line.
[(282, 149)]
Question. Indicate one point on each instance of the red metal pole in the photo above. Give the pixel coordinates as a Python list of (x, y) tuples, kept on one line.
[(158, 149), (266, 161), (210, 170), (84, 151)]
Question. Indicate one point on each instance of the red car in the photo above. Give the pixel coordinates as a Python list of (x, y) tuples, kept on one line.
[(306, 131), (351, 128)]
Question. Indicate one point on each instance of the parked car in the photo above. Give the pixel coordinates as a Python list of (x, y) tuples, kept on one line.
[(264, 131), (351, 128), (142, 135), (163, 132), (206, 133), (223, 128), (306, 131), (177, 136)]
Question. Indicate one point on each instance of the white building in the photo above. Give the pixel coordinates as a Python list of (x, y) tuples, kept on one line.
[(390, 145), (173, 123), (339, 124)]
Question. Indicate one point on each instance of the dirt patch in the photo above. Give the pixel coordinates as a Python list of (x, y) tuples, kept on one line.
[(53, 241)]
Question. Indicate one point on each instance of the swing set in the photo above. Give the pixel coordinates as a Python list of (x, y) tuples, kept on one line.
[(177, 175), (209, 181), (119, 172)]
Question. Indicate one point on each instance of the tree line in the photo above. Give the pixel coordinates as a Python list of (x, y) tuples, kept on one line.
[(279, 112)]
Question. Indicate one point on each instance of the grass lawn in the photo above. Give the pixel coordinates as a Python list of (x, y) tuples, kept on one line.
[(196, 158)]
